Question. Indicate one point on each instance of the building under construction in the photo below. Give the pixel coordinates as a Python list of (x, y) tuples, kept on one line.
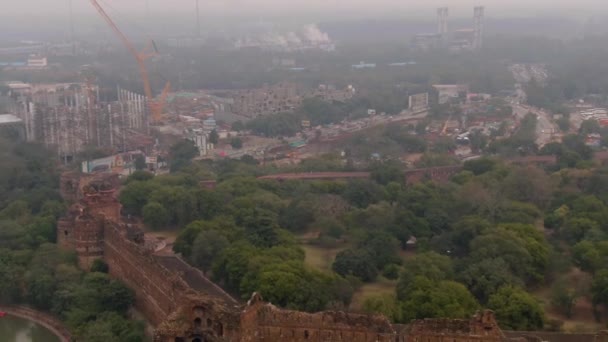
[(68, 117)]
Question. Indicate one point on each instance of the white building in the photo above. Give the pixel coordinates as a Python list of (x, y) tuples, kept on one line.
[(201, 141), (37, 62)]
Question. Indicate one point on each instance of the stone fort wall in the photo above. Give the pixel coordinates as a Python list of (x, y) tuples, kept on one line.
[(157, 290)]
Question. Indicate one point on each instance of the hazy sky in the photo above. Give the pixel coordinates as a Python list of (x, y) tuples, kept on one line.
[(259, 7)]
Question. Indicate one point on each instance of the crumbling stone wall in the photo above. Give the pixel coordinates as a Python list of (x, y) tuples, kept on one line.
[(481, 328), (158, 291)]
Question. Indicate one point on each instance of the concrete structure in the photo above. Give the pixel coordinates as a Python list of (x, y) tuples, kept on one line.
[(37, 62), (447, 92), (66, 117), (464, 39), (201, 141), (11, 127), (442, 22), (283, 97), (418, 102)]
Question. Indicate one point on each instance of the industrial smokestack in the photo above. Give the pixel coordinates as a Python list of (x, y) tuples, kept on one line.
[(71, 20), (479, 13), (442, 21), (198, 20)]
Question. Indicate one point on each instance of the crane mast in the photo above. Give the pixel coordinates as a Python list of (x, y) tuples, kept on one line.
[(156, 107)]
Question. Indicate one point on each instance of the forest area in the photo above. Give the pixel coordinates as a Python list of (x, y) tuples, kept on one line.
[(524, 241)]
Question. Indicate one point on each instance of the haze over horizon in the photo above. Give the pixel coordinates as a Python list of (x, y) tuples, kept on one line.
[(299, 7)]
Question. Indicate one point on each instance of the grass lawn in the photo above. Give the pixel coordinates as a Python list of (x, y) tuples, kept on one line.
[(379, 287), (321, 258)]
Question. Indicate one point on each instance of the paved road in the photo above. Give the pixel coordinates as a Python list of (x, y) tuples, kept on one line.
[(545, 127)]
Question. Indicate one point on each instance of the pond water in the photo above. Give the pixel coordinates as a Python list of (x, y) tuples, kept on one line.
[(15, 329)]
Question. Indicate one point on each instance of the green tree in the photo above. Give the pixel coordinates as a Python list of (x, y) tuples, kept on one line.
[(155, 215), (587, 256), (385, 304), (599, 290), (209, 244), (484, 278), (480, 166), (429, 265), (236, 143), (355, 262), (134, 196), (387, 172), (363, 193), (140, 162), (214, 138), (297, 216), (181, 153), (444, 299), (575, 229), (564, 297), (516, 309), (110, 326)]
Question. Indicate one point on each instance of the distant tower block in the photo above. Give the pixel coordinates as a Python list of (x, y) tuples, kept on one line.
[(479, 18), (442, 21)]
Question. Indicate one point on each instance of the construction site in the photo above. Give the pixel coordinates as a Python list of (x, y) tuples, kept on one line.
[(69, 117)]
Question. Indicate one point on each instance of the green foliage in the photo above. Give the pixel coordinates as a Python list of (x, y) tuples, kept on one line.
[(155, 215), (99, 266), (181, 154), (134, 196), (391, 271), (564, 297), (386, 172), (430, 266), (599, 288), (361, 194), (110, 326), (297, 216), (516, 309), (589, 256), (522, 247), (485, 277), (140, 162), (386, 305), (431, 299), (236, 143), (207, 246), (355, 262), (185, 240), (480, 166), (214, 137)]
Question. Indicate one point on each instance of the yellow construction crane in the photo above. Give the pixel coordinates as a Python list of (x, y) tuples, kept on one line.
[(156, 106)]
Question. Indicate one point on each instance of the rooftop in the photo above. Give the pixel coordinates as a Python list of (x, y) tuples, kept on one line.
[(9, 118)]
